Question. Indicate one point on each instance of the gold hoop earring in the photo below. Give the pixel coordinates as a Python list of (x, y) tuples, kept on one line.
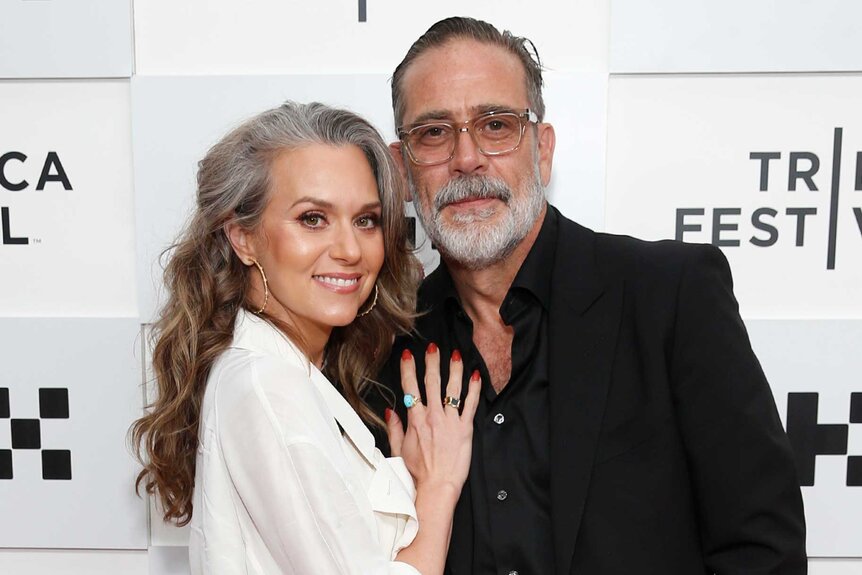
[(265, 286), (373, 303)]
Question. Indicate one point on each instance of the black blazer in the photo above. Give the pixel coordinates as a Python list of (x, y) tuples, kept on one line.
[(667, 452)]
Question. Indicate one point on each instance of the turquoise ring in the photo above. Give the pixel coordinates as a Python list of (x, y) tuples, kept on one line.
[(410, 400)]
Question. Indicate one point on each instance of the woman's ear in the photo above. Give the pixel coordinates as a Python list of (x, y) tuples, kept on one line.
[(241, 241)]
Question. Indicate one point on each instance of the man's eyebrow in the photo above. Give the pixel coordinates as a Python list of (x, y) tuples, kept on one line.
[(485, 108), (432, 115)]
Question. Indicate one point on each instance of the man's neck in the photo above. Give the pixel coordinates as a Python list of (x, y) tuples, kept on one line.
[(482, 291)]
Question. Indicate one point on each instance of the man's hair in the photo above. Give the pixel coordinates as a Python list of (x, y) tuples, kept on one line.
[(458, 28)]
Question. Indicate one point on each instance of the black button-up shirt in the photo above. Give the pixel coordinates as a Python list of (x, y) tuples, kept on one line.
[(508, 490), (510, 470)]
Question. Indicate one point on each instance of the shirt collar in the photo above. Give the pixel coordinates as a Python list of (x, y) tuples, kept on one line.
[(534, 274)]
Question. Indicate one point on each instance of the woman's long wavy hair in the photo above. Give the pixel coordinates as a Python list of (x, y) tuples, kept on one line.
[(207, 285)]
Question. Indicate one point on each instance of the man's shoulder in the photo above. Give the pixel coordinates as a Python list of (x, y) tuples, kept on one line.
[(619, 254)]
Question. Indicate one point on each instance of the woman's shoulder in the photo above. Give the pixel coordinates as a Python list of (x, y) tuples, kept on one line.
[(249, 384)]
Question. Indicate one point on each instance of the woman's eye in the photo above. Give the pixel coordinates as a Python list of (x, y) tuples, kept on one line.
[(369, 221), (312, 220)]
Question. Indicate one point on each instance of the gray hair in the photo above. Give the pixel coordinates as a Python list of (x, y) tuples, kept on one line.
[(456, 28), (234, 177)]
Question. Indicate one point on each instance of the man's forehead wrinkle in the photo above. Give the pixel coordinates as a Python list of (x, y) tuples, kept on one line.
[(443, 70), (474, 110)]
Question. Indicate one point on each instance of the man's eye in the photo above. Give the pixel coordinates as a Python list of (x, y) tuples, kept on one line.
[(432, 132), (495, 125)]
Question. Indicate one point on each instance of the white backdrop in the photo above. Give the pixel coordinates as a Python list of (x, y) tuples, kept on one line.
[(632, 150), (65, 39), (735, 36)]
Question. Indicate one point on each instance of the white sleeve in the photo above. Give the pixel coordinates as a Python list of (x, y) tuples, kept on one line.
[(274, 441)]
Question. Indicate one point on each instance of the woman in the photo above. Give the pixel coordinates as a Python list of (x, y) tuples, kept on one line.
[(294, 269)]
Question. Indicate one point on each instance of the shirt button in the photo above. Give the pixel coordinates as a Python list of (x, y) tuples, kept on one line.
[(502, 495), (499, 419)]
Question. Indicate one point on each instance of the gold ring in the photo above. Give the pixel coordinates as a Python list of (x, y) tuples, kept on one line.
[(453, 401)]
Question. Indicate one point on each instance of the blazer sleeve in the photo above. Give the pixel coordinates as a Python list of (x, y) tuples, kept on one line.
[(741, 462), (273, 440)]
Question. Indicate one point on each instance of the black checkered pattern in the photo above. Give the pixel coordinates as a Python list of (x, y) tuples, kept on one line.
[(809, 438), (27, 434)]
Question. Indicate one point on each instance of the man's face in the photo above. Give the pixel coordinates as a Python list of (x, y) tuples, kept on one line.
[(475, 208)]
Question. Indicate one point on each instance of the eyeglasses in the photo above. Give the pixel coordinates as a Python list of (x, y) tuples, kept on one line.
[(494, 133)]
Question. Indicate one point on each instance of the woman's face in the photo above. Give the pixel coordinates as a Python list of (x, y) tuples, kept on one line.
[(320, 240)]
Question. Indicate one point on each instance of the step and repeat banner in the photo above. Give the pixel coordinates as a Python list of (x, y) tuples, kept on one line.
[(707, 143), (70, 354), (68, 390), (769, 168), (737, 126), (66, 199), (813, 367)]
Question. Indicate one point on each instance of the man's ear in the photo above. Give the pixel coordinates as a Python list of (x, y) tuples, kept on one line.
[(547, 140), (396, 150), (241, 241)]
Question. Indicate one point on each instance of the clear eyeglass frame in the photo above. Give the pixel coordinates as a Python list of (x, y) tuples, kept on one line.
[(408, 132)]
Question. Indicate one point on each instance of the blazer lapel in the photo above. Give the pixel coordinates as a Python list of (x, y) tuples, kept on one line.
[(584, 324)]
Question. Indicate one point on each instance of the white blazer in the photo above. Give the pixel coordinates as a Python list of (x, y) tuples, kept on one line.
[(278, 488)]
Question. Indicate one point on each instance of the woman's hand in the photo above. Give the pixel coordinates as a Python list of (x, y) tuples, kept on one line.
[(436, 449), (438, 443)]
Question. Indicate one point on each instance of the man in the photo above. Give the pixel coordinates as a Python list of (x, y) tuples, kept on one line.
[(625, 425)]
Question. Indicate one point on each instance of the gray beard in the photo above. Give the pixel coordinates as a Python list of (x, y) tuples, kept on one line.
[(468, 240)]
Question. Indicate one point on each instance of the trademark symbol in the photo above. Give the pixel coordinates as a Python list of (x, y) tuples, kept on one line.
[(36, 240)]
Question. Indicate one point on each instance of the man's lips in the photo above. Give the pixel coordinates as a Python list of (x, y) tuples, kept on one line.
[(471, 202)]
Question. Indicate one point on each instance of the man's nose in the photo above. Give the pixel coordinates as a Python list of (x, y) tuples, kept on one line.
[(467, 159)]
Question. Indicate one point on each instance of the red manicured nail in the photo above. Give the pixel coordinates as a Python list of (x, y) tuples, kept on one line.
[(432, 348), (475, 376), (387, 414), (405, 355), (456, 355)]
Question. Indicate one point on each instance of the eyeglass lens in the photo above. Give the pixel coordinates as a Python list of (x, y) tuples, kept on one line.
[(493, 134)]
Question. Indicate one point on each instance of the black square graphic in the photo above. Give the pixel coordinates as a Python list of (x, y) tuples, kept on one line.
[(53, 403), (856, 407), (26, 434), (4, 402), (5, 464), (854, 471), (56, 464)]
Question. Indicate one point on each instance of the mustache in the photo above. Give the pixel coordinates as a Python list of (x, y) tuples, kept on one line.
[(471, 188)]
